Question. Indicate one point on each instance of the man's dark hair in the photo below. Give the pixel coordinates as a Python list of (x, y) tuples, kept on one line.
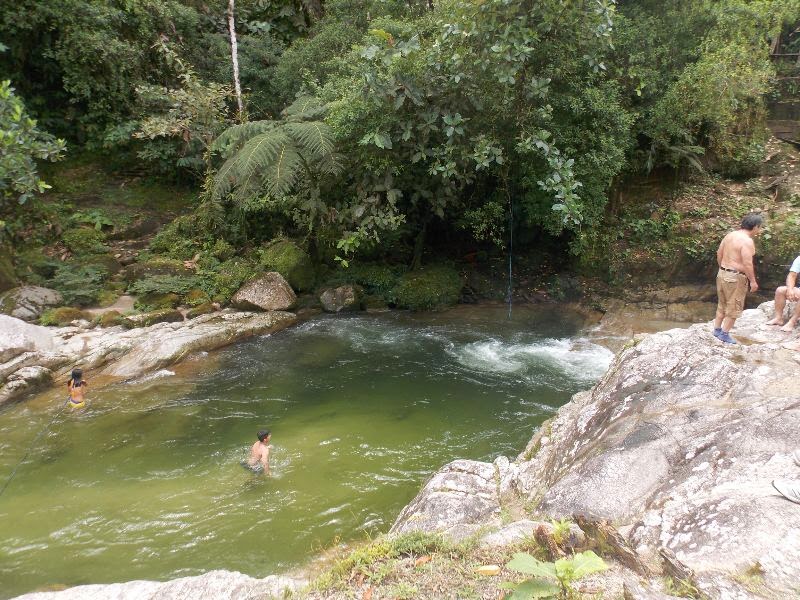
[(262, 435), (752, 221)]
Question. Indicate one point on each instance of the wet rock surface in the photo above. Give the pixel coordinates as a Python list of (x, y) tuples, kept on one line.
[(343, 298), (675, 449)]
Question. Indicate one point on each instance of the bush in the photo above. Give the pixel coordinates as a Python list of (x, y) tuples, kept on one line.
[(222, 250), (225, 280), (429, 288), (289, 260), (177, 240), (83, 241), (33, 266), (64, 315), (165, 284), (79, 284), (376, 279)]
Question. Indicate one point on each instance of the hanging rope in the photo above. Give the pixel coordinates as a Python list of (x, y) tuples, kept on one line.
[(509, 297), (28, 451)]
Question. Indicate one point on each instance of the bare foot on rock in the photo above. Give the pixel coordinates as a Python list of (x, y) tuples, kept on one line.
[(789, 327), (775, 321)]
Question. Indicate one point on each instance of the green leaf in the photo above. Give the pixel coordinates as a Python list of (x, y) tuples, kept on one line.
[(586, 563), (525, 563), (535, 588)]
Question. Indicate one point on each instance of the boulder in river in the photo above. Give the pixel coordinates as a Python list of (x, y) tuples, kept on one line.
[(269, 291), (341, 299), (19, 337), (29, 302)]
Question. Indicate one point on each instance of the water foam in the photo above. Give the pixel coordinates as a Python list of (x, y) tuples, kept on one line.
[(577, 359)]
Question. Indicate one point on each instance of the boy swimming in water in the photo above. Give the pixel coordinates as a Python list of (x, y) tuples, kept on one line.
[(77, 388), (259, 453)]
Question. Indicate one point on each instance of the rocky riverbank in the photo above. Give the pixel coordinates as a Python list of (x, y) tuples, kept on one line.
[(34, 357)]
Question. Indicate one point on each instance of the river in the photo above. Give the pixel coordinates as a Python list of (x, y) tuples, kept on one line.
[(145, 482)]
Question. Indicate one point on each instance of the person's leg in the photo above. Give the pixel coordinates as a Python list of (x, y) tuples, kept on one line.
[(721, 299), (789, 327), (780, 303)]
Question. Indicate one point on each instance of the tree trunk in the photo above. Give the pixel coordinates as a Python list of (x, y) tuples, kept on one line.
[(235, 60), (419, 246)]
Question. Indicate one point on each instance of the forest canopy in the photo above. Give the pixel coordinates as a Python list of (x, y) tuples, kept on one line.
[(372, 123)]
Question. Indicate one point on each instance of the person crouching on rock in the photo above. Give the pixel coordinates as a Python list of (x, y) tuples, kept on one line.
[(735, 275), (789, 292), (259, 453), (77, 388)]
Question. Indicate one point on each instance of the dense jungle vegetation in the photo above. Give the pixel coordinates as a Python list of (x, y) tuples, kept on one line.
[(372, 130)]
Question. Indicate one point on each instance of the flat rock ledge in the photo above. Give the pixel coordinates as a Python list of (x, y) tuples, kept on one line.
[(219, 585), (123, 353), (674, 450)]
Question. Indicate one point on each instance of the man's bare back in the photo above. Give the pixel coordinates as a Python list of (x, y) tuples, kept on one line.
[(736, 252), (259, 452)]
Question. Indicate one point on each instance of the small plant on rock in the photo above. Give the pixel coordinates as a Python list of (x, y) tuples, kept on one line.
[(551, 579)]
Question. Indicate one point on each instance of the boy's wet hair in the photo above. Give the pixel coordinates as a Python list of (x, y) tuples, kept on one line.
[(751, 221), (262, 435), (77, 374)]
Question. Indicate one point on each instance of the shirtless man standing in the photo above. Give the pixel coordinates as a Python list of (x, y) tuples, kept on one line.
[(259, 453), (735, 275)]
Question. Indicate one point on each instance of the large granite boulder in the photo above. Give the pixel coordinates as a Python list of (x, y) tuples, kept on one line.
[(675, 449), (29, 302), (17, 336), (216, 585), (265, 292), (341, 299)]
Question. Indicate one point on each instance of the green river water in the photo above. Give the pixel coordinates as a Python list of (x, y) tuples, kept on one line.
[(145, 482)]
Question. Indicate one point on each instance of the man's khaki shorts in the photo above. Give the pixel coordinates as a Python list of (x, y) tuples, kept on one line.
[(731, 291)]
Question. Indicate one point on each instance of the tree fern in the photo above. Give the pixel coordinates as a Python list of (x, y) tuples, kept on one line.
[(304, 108), (272, 156)]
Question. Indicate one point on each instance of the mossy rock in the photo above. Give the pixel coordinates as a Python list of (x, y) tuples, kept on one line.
[(200, 309), (8, 278), (160, 265), (166, 315), (429, 288), (288, 259), (376, 279), (83, 241), (153, 301), (63, 315), (196, 298), (107, 297), (110, 319)]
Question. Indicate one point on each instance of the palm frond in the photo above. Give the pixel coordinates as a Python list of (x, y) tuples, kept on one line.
[(233, 137), (245, 169), (304, 108), (282, 174), (314, 138)]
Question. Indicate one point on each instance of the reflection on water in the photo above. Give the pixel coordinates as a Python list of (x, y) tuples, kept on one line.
[(146, 484)]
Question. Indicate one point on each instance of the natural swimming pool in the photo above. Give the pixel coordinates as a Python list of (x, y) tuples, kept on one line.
[(145, 482)]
